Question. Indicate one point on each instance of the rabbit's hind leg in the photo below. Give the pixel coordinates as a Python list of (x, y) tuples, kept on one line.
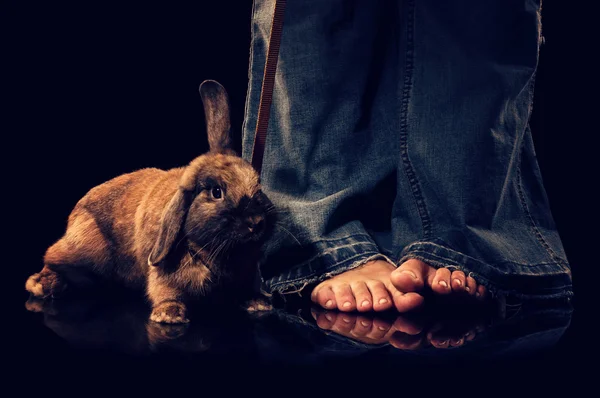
[(80, 255)]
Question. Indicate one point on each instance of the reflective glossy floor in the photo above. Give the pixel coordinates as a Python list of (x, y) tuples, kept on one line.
[(92, 329), (303, 334)]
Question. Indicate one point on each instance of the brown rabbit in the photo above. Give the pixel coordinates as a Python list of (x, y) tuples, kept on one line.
[(179, 234)]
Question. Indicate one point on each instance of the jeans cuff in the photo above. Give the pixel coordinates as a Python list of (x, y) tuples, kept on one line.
[(333, 258), (550, 280)]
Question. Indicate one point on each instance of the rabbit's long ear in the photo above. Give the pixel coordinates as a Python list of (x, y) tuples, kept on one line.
[(217, 114), (170, 226)]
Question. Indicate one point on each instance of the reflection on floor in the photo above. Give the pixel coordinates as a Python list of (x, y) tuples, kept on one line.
[(303, 334)]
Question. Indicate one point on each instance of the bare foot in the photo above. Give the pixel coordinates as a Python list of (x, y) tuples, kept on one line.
[(415, 276), (367, 288)]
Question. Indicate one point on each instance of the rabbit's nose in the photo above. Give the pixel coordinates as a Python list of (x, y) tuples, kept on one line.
[(255, 224)]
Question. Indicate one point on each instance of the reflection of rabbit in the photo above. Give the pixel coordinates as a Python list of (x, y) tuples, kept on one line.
[(121, 323), (178, 234)]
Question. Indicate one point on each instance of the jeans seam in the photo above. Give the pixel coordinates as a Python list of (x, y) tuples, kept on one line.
[(454, 263), (250, 79), (406, 93), (345, 238), (330, 250), (529, 217), (521, 193), (495, 265)]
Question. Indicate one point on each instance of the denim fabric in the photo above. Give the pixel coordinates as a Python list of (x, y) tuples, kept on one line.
[(399, 129)]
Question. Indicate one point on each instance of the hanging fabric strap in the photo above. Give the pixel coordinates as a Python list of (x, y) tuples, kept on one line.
[(266, 94)]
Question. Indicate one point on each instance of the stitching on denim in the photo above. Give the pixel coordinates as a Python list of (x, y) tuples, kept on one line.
[(406, 93), (327, 269), (454, 263), (329, 250), (498, 264), (345, 237), (250, 79), (325, 274), (532, 224), (520, 190)]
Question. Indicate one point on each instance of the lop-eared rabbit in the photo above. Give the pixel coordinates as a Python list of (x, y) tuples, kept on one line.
[(192, 232)]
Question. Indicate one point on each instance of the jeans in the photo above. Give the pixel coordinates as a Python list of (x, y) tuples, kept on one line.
[(398, 130)]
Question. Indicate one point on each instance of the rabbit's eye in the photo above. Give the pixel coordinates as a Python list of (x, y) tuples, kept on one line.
[(216, 192)]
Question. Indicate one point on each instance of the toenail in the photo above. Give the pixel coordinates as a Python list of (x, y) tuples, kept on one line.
[(381, 328), (412, 274), (328, 317), (364, 323), (468, 289), (329, 303), (443, 283), (365, 303), (458, 282), (345, 319), (382, 301), (347, 304)]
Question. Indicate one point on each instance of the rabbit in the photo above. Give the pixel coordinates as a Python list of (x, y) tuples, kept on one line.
[(181, 234)]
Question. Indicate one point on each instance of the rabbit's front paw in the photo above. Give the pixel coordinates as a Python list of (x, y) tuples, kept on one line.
[(45, 284), (169, 312)]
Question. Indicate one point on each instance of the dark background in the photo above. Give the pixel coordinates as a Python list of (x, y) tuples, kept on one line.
[(93, 90), (97, 90)]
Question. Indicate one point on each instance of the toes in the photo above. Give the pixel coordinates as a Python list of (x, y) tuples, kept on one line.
[(437, 339), (470, 335), (344, 297), (362, 326), (441, 281), (410, 276), (325, 320), (408, 334), (405, 341), (344, 323), (440, 342), (457, 342), (380, 295), (458, 280), (407, 326), (379, 329), (481, 292), (471, 287), (324, 296), (362, 296), (405, 302)]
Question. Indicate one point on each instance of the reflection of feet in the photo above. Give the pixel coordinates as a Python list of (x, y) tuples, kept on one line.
[(45, 283), (415, 276), (367, 288), (401, 333), (169, 312)]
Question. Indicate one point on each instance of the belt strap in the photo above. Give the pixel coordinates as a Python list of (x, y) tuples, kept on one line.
[(266, 94)]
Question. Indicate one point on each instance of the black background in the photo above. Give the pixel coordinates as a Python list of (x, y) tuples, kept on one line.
[(93, 90)]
